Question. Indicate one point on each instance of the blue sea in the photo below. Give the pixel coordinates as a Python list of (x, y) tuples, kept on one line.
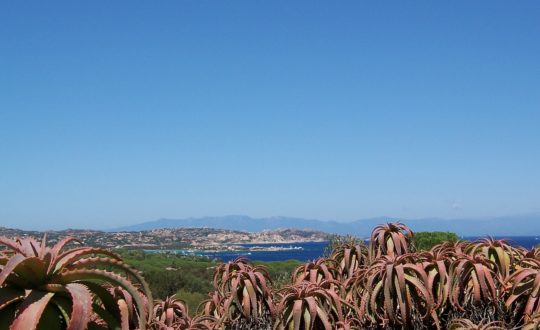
[(312, 250)]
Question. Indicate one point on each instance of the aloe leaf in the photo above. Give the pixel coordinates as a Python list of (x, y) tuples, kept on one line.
[(297, 313), (30, 311), (109, 277), (82, 306), (10, 266), (11, 244)]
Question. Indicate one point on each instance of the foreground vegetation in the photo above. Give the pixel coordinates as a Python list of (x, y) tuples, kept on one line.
[(190, 277), (394, 282)]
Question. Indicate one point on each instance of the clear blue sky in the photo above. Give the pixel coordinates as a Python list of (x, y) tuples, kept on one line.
[(117, 112)]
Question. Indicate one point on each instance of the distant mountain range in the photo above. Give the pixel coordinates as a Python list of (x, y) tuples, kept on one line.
[(522, 225)]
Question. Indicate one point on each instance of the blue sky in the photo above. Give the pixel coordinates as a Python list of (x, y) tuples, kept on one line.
[(113, 113)]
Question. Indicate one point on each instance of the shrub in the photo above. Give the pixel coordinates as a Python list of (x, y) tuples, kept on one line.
[(425, 240)]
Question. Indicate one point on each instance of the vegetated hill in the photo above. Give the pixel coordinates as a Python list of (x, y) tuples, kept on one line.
[(236, 222), (172, 237), (522, 225)]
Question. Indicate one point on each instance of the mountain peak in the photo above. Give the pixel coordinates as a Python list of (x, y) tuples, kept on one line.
[(499, 226)]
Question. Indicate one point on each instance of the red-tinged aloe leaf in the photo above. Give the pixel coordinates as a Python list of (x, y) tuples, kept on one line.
[(124, 314), (380, 238), (43, 246), (403, 301), (57, 248), (29, 313), (312, 308), (336, 303), (168, 317), (391, 246), (510, 300), (346, 258), (262, 281), (11, 244), (423, 291), (420, 287), (9, 296), (529, 307), (477, 293), (62, 243), (480, 272), (313, 275), (28, 246), (13, 262), (455, 296), (441, 269), (395, 238), (388, 301), (373, 297), (491, 283), (120, 293), (536, 286), (518, 276), (245, 303), (505, 261), (106, 298), (286, 313), (120, 265), (402, 294), (69, 257), (323, 316), (31, 270), (252, 297), (82, 306), (109, 277), (297, 313), (252, 278)]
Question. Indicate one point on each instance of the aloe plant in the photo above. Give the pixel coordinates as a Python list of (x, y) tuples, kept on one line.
[(355, 288), (451, 249), (45, 287), (436, 264), (524, 290), (473, 281), (127, 306), (170, 311), (224, 271), (248, 294), (315, 271), (213, 306), (502, 254), (242, 295), (533, 253), (397, 291), (307, 306), (350, 257), (391, 239)]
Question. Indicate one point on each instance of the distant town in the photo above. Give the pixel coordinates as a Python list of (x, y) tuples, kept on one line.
[(176, 238)]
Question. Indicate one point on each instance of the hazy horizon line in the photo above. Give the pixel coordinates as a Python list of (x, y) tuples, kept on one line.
[(389, 218)]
